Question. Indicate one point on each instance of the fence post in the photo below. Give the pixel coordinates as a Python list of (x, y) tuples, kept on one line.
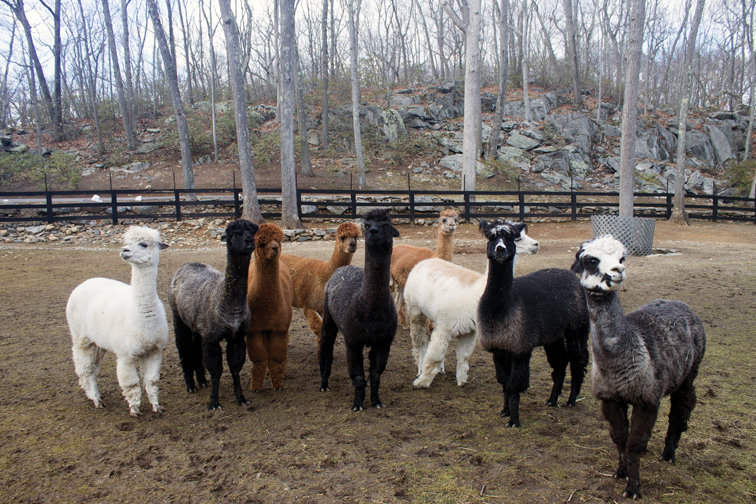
[(177, 204), (714, 203), (114, 206), (467, 205), (412, 207), (237, 209), (522, 206), (48, 196), (354, 203), (299, 203), (573, 198)]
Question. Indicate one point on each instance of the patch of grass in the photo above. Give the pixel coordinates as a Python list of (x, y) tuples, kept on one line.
[(504, 167), (61, 170), (741, 175)]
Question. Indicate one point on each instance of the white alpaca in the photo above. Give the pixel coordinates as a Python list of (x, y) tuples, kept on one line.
[(447, 295), (128, 320)]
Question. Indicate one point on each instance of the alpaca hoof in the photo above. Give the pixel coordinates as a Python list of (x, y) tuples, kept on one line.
[(632, 492), (421, 383), (512, 424), (572, 403), (99, 404), (504, 412), (213, 408), (668, 457), (379, 406), (244, 403), (325, 389), (156, 408), (135, 412), (356, 408), (551, 402)]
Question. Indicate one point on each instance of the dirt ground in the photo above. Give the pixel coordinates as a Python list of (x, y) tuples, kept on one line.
[(442, 445)]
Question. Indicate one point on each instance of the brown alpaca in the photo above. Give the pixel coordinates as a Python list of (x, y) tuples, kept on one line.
[(310, 276), (405, 257), (269, 295)]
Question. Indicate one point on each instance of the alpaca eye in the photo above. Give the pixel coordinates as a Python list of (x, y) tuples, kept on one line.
[(622, 259), (143, 245), (519, 238)]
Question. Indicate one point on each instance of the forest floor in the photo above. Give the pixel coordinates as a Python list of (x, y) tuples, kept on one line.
[(442, 445)]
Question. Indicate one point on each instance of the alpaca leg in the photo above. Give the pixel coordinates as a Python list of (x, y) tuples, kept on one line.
[(399, 303), (235, 357), (356, 368), (316, 324), (503, 365), (419, 337), (519, 381), (556, 354), (257, 350), (151, 363), (378, 357), (87, 358), (188, 347), (211, 352), (682, 402), (616, 414), (328, 338), (197, 365), (278, 350), (434, 357), (641, 426), (128, 379), (577, 350), (465, 347)]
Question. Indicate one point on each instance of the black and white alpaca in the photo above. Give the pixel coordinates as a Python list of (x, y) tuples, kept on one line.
[(638, 358), (209, 307), (358, 303), (515, 315)]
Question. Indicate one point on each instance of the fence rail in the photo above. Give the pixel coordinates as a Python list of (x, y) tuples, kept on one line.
[(176, 204)]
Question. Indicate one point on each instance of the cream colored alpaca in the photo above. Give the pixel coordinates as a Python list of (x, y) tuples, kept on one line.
[(405, 257)]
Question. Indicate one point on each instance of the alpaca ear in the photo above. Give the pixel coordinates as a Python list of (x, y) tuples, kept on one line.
[(394, 232), (482, 225), (163, 246), (521, 226), (577, 266), (223, 237)]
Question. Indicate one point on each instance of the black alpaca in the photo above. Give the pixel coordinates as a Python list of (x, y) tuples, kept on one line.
[(515, 315), (359, 304), (209, 307), (638, 358)]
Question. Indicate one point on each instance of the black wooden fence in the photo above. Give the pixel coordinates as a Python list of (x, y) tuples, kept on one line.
[(175, 204)]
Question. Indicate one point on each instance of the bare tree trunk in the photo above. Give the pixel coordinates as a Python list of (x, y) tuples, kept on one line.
[(127, 65), (178, 107), (4, 95), (125, 116), (92, 81), (304, 145), (577, 98), (354, 21), (434, 71), (526, 60), (211, 35), (630, 109), (35, 105), (251, 205), (493, 139), (547, 39), (324, 117), (289, 215), (185, 33), (679, 215)]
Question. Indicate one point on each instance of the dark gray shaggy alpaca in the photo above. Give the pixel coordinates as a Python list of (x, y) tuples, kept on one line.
[(515, 315), (638, 358), (359, 304), (209, 307)]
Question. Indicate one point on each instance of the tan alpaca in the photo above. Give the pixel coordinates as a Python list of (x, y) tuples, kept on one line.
[(405, 257), (309, 276), (269, 294)]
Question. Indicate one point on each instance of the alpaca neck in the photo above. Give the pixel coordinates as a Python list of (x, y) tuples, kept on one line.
[(144, 285), (237, 271), (266, 275), (339, 258), (499, 278), (377, 271), (612, 334), (444, 245)]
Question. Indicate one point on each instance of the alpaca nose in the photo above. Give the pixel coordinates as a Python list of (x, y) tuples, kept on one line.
[(373, 230)]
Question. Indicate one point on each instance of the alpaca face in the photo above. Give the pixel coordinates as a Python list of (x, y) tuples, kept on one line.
[(270, 250), (141, 246), (507, 239), (240, 237), (348, 244), (378, 229), (448, 222), (600, 264)]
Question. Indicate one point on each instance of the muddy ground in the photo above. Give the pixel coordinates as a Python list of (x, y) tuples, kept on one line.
[(442, 445)]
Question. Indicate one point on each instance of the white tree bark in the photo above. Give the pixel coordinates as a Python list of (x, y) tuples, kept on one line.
[(493, 139), (353, 11), (577, 98), (178, 107), (289, 216), (630, 109), (251, 209), (470, 145), (678, 212), (125, 115)]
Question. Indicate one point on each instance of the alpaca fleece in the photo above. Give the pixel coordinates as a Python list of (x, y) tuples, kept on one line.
[(106, 315), (638, 358), (358, 304), (309, 276), (545, 308), (405, 257), (209, 307), (269, 295)]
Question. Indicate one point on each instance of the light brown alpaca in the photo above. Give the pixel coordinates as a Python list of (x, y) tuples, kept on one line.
[(269, 294), (405, 257), (310, 276)]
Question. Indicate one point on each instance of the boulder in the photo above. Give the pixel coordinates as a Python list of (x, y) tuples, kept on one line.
[(554, 161), (521, 141), (576, 128), (721, 146), (697, 144), (454, 163)]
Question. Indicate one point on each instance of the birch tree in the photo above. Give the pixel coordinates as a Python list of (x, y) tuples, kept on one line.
[(503, 20), (630, 109), (178, 107), (251, 210), (353, 13), (128, 127), (289, 215), (324, 117), (577, 98), (678, 212)]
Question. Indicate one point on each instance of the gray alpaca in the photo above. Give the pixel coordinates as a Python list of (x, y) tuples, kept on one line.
[(638, 358)]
